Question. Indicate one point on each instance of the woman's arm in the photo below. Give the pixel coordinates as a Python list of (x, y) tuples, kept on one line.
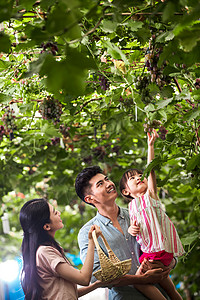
[(82, 276), (87, 289)]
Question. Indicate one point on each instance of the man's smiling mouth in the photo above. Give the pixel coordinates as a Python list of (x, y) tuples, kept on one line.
[(111, 190)]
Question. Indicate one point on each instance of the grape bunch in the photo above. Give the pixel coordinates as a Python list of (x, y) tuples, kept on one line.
[(150, 125), (104, 84), (51, 46), (51, 109), (142, 85), (155, 124), (55, 141), (88, 159), (162, 132), (116, 149), (8, 119), (99, 152), (2, 132), (197, 83), (64, 130), (151, 59)]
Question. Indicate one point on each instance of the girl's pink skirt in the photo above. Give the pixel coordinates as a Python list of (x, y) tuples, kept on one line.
[(163, 256)]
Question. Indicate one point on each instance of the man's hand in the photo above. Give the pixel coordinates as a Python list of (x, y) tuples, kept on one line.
[(155, 275), (150, 265), (155, 264)]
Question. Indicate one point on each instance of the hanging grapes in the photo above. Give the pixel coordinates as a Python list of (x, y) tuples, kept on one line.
[(51, 109), (2, 132), (155, 124), (142, 85), (103, 82), (151, 59), (8, 119), (49, 47)]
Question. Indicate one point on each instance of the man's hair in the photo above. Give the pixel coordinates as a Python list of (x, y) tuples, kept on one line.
[(82, 184)]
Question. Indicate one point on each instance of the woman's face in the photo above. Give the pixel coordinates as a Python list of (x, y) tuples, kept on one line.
[(55, 220)]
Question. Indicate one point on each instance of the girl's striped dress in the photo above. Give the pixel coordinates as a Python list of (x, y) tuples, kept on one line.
[(157, 232)]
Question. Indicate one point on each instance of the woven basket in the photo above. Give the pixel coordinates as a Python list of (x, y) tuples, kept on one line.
[(111, 267)]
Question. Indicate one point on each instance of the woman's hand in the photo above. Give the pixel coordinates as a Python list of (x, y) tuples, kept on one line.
[(96, 228)]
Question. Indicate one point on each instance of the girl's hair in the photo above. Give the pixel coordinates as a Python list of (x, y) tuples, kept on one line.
[(33, 216), (124, 179)]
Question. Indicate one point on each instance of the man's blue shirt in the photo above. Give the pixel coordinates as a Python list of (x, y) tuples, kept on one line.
[(124, 246)]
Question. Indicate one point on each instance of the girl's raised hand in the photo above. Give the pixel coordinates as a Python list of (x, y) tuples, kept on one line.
[(152, 137), (96, 228)]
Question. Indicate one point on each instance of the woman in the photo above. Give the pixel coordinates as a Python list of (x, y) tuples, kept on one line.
[(46, 273)]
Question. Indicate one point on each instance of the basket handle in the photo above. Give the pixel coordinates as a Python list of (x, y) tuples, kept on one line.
[(99, 250), (102, 256), (97, 243)]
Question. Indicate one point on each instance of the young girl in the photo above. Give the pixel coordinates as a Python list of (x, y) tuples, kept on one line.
[(154, 230), (47, 274)]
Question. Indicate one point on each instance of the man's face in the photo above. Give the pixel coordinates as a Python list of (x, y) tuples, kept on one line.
[(102, 189)]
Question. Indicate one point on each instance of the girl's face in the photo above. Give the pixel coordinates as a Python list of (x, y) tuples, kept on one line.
[(134, 186), (55, 220)]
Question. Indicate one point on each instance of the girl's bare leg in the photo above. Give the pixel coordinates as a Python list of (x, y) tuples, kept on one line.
[(150, 291), (169, 287)]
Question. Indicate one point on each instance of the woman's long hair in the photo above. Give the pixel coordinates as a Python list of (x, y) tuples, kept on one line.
[(33, 216)]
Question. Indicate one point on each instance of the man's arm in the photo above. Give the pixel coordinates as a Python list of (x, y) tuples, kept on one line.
[(150, 277)]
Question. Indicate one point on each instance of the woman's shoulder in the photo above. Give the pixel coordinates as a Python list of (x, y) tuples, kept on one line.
[(48, 257), (46, 250)]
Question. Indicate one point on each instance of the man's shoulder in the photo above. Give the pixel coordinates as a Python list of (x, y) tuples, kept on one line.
[(86, 226), (124, 212), (124, 209)]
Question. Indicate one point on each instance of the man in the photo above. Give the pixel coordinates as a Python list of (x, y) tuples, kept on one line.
[(94, 188)]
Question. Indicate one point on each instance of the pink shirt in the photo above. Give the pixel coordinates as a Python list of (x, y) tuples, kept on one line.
[(157, 232), (54, 286)]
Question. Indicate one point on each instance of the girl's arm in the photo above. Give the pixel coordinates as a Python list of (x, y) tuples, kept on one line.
[(152, 186), (82, 276)]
